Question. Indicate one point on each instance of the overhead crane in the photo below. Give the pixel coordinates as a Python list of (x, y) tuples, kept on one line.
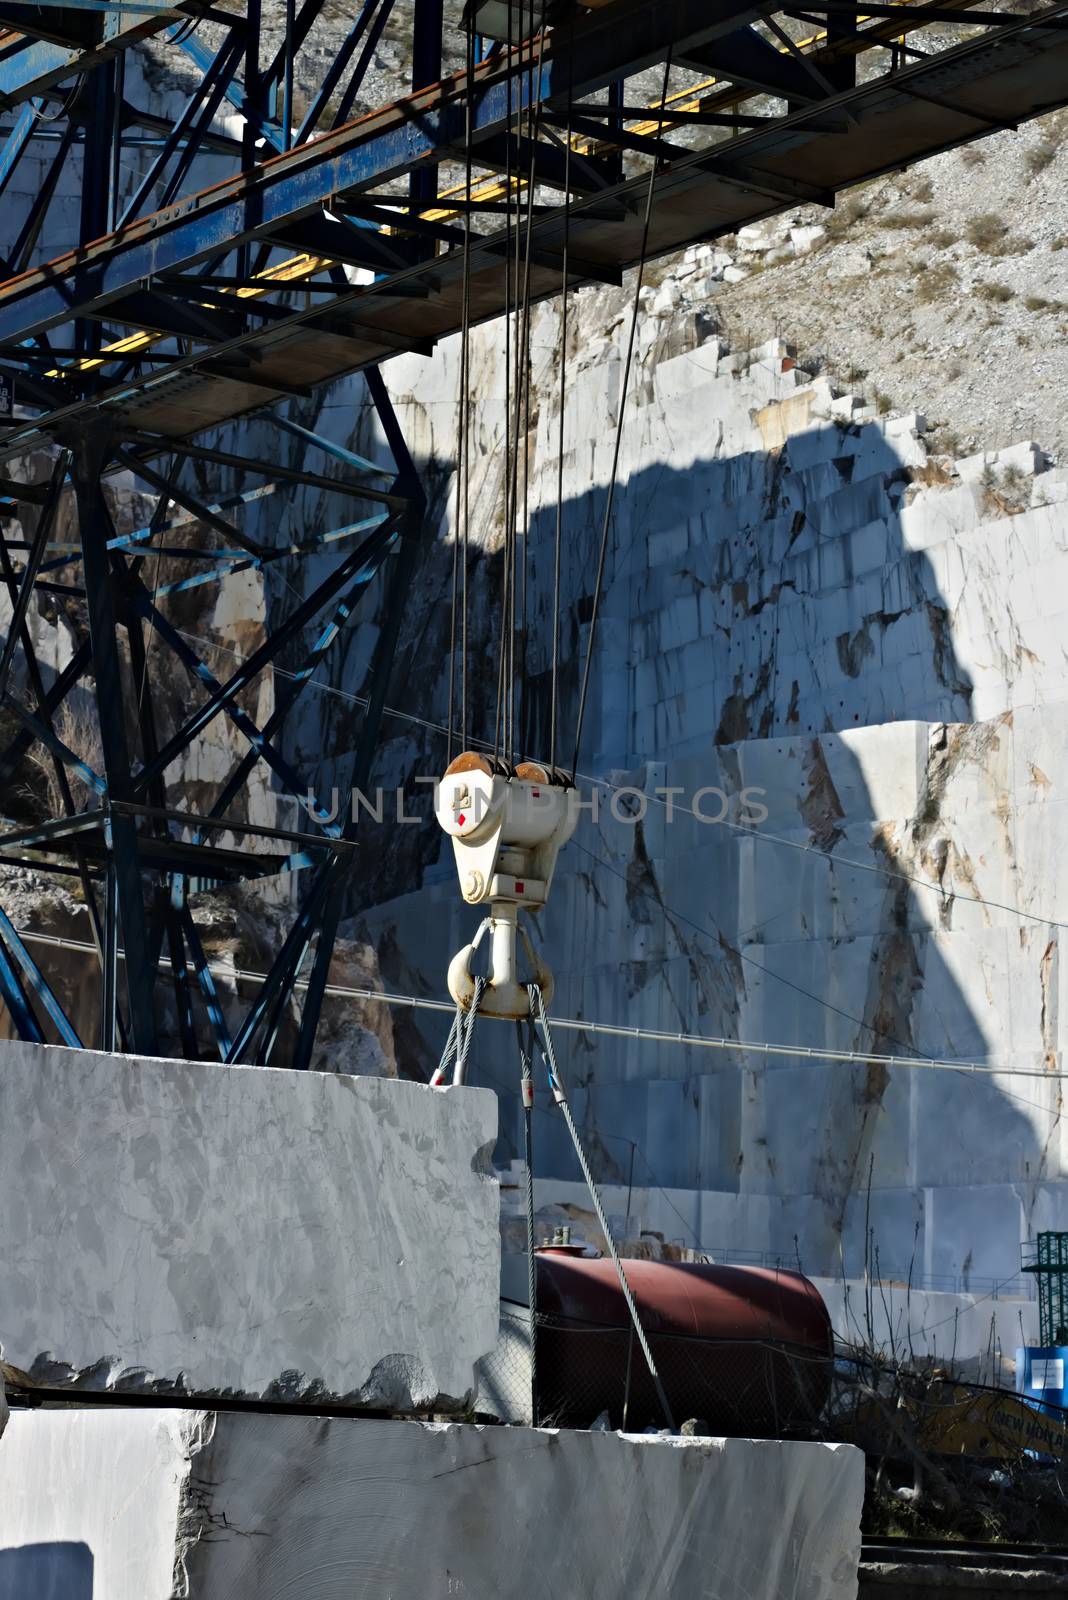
[(42, 46), (336, 242)]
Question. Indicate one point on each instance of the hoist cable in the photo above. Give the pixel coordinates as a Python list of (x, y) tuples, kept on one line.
[(522, 428), (459, 547), (517, 295), (606, 524), (515, 405), (512, 459), (500, 731), (558, 540), (466, 440), (533, 118), (465, 1034), (451, 718)]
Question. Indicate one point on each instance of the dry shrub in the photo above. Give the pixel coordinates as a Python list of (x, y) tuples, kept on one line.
[(907, 219), (998, 293), (935, 282), (986, 231), (80, 733)]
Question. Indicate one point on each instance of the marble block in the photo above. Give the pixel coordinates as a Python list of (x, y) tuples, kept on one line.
[(256, 1507), (237, 1231)]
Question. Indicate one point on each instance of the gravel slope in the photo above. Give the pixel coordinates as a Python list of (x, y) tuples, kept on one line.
[(944, 288)]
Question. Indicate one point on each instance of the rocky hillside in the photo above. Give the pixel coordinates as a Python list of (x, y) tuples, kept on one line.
[(943, 289)]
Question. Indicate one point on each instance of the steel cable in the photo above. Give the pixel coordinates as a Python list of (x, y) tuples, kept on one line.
[(526, 1058), (623, 391), (554, 682), (459, 548), (560, 1096)]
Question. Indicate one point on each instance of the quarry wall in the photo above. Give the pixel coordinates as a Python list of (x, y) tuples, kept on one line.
[(804, 597)]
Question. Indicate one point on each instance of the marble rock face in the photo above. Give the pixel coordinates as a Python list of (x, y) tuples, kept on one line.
[(209, 1230), (805, 606), (146, 1505)]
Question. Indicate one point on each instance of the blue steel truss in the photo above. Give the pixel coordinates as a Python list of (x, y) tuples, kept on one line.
[(333, 241)]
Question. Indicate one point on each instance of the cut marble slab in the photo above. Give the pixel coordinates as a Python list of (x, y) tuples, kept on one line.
[(210, 1230), (256, 1507)]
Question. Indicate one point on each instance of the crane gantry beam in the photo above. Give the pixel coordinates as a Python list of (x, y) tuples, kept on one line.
[(334, 201)]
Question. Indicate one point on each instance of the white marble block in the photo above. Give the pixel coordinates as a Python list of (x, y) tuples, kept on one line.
[(252, 1507), (238, 1231)]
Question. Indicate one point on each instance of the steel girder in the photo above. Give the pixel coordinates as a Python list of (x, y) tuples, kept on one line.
[(315, 212)]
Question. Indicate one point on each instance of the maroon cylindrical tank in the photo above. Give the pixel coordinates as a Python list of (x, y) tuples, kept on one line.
[(747, 1350)]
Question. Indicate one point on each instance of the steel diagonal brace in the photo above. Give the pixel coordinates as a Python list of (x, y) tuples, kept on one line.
[(202, 105), (41, 534), (142, 536), (15, 144), (326, 896), (325, 900), (184, 497), (229, 562), (51, 741), (337, 873), (298, 32), (216, 1015), (219, 701), (264, 126), (290, 692), (38, 982), (33, 674), (183, 998), (150, 122), (288, 958), (360, 565), (342, 57), (16, 999), (23, 740), (348, 458), (274, 469)]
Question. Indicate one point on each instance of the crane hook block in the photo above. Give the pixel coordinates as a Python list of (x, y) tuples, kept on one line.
[(507, 826)]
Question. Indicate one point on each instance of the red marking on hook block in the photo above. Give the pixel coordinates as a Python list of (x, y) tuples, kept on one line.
[(520, 888), (461, 819)]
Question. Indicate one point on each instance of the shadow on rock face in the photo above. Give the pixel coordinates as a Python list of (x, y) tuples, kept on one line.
[(62, 1570)]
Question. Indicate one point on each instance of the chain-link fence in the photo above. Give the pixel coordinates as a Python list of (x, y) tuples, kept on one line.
[(587, 1373)]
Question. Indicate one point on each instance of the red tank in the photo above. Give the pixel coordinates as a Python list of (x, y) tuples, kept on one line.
[(747, 1350)]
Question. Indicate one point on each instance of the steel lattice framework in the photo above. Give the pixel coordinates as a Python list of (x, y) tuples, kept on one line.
[(333, 244)]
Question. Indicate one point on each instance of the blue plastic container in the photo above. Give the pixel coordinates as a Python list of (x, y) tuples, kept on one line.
[(1042, 1373)]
